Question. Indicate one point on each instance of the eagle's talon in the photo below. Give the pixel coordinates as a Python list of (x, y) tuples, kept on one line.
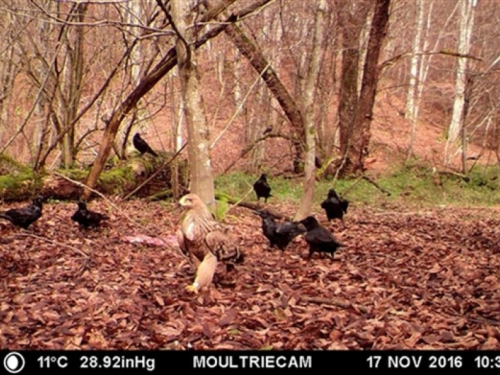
[(192, 289)]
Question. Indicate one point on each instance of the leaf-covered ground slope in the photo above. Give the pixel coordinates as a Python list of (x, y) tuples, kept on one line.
[(423, 279)]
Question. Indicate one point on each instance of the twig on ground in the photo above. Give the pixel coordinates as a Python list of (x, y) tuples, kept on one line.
[(53, 242), (334, 302)]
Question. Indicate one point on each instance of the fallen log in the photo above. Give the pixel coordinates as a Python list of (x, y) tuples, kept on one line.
[(139, 176)]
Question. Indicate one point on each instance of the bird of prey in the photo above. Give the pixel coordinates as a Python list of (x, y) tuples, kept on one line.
[(87, 218), (141, 145), (204, 241), (279, 234), (262, 188), (319, 238), (25, 216), (335, 206)]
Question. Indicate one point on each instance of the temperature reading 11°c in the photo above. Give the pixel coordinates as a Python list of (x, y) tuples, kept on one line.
[(48, 361)]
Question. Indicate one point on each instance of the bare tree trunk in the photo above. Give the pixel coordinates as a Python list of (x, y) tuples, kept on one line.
[(132, 12), (74, 75), (351, 19), (308, 110), (457, 119), (260, 122), (8, 71), (357, 150), (410, 110), (328, 137), (200, 168)]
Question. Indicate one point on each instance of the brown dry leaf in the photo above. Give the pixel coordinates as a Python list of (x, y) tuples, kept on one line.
[(490, 344), (228, 317), (159, 300), (335, 335), (167, 331), (429, 280), (435, 268)]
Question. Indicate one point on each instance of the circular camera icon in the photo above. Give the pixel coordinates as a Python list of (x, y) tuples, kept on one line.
[(13, 362)]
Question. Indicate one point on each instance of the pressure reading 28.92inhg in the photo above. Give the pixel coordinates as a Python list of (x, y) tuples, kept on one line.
[(117, 362), (48, 361)]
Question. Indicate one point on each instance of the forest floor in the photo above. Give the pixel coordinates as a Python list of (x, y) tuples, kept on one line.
[(421, 279)]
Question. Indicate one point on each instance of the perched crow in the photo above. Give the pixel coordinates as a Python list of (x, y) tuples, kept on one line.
[(262, 188), (317, 162), (319, 238), (335, 206), (24, 217), (141, 145), (86, 218), (279, 234)]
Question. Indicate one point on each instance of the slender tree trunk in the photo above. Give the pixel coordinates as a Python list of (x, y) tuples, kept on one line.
[(74, 92), (361, 133), (308, 110), (9, 71), (260, 121), (132, 12), (351, 19), (410, 110), (423, 65), (457, 118), (200, 168)]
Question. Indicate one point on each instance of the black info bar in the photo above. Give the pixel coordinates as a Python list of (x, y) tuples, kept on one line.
[(168, 361)]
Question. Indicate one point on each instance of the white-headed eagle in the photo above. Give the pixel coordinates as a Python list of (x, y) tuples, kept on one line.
[(205, 241)]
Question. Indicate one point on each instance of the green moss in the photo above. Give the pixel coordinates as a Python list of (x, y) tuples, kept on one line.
[(221, 209), (19, 186), (410, 185), (17, 181), (11, 166), (116, 180), (75, 174)]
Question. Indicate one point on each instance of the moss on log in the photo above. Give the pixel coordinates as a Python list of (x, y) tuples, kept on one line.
[(17, 182), (20, 183)]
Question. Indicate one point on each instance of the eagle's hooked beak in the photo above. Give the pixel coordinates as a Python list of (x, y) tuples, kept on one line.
[(181, 202), (186, 201)]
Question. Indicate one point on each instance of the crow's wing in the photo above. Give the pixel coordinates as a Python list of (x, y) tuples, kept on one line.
[(344, 204), (320, 236), (22, 216), (290, 228)]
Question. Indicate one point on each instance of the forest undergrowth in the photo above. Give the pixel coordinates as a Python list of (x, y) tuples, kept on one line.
[(412, 276)]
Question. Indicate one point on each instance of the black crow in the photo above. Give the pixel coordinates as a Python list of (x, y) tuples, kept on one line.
[(279, 234), (25, 216), (141, 145), (262, 188), (86, 218), (335, 206), (319, 238)]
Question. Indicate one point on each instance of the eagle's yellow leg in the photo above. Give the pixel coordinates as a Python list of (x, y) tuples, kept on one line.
[(204, 274)]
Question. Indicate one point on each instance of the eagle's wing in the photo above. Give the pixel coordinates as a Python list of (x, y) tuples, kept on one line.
[(222, 245), (218, 246)]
